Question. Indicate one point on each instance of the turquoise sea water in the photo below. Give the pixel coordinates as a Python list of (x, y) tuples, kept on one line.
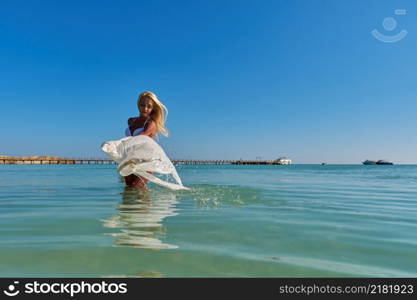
[(237, 221)]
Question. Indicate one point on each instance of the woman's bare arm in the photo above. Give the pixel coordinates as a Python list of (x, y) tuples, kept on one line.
[(149, 130)]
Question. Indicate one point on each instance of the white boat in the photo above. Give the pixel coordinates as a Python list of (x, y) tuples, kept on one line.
[(283, 161)]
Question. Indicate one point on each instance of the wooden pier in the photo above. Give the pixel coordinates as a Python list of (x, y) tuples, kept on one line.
[(226, 162), (53, 160), (62, 161), (103, 161), (201, 162), (258, 162)]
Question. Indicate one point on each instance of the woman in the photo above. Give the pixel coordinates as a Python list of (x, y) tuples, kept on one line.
[(150, 122)]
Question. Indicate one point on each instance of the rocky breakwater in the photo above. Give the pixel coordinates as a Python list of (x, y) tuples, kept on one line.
[(34, 160)]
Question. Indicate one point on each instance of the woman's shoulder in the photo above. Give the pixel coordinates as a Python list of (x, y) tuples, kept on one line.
[(149, 122)]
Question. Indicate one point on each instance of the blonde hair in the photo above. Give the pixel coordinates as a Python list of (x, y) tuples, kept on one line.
[(159, 112)]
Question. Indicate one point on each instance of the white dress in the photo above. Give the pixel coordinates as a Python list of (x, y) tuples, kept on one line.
[(139, 154)]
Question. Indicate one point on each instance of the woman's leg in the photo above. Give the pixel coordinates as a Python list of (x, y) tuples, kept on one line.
[(135, 181)]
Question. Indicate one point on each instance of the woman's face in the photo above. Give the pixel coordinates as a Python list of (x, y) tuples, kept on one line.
[(145, 107)]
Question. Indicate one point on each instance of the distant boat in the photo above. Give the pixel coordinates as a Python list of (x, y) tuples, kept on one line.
[(377, 162), (323, 164), (369, 162), (283, 161), (383, 162)]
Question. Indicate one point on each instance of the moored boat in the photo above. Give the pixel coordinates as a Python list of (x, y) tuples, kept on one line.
[(369, 162), (377, 162), (383, 162)]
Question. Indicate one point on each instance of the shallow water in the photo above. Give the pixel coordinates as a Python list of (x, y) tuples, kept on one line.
[(240, 221)]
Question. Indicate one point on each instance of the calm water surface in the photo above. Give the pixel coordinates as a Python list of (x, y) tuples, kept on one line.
[(240, 221)]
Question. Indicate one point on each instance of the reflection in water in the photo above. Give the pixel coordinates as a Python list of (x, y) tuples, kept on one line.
[(140, 217)]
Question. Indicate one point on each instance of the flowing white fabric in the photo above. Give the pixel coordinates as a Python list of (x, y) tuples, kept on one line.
[(139, 155)]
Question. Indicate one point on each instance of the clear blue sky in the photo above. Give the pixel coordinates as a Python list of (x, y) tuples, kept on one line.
[(241, 79)]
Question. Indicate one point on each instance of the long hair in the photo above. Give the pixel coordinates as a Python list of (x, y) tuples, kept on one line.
[(159, 112)]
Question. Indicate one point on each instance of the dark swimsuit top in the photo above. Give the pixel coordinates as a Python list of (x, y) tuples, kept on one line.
[(128, 132)]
